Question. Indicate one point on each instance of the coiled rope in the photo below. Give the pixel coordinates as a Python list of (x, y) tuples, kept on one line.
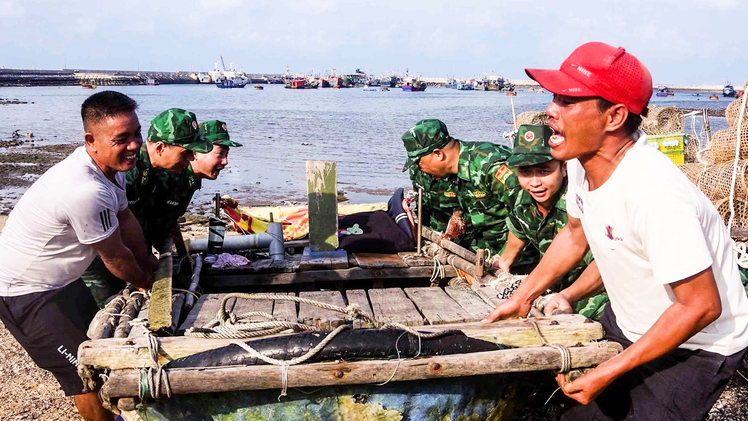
[(151, 378)]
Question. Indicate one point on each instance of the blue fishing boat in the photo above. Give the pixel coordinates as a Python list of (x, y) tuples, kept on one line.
[(664, 91), (226, 83), (728, 91)]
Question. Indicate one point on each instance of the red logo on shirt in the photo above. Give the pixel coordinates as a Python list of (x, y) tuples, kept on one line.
[(610, 233)]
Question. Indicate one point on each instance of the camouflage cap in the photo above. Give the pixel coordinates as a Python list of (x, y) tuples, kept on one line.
[(531, 146), (217, 133), (423, 138), (178, 127)]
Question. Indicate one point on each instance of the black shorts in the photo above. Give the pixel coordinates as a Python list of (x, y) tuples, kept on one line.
[(50, 326), (680, 385)]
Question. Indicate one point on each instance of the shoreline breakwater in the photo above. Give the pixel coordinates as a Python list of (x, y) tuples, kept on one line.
[(75, 77)]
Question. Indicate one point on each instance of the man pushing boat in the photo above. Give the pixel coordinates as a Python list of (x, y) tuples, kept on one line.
[(73, 212), (662, 250)]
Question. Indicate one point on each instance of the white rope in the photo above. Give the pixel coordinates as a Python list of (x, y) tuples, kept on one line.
[(737, 157), (564, 351)]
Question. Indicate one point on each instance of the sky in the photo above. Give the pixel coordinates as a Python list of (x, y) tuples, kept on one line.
[(680, 41)]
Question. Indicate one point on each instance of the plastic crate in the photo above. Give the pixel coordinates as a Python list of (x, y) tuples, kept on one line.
[(673, 145)]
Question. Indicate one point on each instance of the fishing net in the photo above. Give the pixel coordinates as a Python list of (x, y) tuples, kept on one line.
[(663, 120), (722, 145), (732, 113), (532, 117), (715, 181), (692, 171), (691, 153)]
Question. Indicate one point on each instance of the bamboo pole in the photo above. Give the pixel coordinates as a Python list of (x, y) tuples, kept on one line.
[(161, 302)]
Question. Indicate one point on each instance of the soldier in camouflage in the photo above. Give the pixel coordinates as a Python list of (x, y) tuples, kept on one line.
[(182, 186), (538, 208), (481, 177), (439, 198), (173, 138)]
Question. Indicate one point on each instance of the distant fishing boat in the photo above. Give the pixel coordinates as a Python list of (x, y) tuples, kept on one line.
[(663, 91), (229, 83), (384, 88), (464, 87), (258, 88), (414, 87), (511, 93), (728, 91), (713, 98), (88, 86), (540, 91), (151, 82)]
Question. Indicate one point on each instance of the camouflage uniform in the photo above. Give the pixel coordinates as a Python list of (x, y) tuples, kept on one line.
[(527, 223), (439, 198), (480, 187), (151, 193)]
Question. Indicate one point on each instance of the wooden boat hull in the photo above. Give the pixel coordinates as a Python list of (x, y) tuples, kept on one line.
[(496, 397)]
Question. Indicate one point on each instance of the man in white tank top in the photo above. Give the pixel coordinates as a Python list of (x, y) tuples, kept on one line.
[(662, 251), (73, 212)]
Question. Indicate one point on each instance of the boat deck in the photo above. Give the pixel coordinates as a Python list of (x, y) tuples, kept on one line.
[(409, 306)]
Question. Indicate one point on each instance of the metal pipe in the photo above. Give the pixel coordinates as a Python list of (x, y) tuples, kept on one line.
[(190, 300), (275, 230), (272, 240), (420, 211)]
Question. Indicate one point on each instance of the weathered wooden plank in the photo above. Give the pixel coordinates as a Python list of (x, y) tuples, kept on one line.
[(436, 306), (321, 318), (240, 279), (489, 294), (124, 383), (567, 329), (335, 259), (243, 305), (161, 300), (285, 310), (358, 296), (470, 301), (204, 311), (411, 259), (322, 191), (390, 305), (379, 260)]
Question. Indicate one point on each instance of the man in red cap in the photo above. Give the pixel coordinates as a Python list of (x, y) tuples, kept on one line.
[(662, 250)]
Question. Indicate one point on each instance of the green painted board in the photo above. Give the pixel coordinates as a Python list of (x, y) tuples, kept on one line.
[(322, 193)]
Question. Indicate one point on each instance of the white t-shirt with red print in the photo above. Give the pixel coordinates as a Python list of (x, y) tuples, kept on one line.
[(649, 226)]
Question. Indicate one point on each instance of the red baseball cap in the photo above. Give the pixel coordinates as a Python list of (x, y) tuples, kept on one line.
[(599, 69)]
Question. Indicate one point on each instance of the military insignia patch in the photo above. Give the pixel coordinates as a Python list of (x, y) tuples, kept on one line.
[(479, 194), (450, 194), (503, 173), (529, 136)]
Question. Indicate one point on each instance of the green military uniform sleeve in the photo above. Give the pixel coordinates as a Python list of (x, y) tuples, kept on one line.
[(513, 223)]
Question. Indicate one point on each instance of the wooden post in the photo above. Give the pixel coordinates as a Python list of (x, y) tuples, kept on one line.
[(160, 302), (479, 262), (322, 193)]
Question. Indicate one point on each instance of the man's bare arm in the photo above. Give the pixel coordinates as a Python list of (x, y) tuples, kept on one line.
[(121, 262), (588, 284), (567, 249), (133, 239), (697, 304)]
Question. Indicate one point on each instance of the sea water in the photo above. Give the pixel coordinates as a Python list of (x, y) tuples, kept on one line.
[(282, 128)]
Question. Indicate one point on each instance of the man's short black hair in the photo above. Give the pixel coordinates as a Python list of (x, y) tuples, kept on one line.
[(105, 104), (633, 121)]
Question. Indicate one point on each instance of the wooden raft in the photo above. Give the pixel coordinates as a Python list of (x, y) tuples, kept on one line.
[(427, 309)]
